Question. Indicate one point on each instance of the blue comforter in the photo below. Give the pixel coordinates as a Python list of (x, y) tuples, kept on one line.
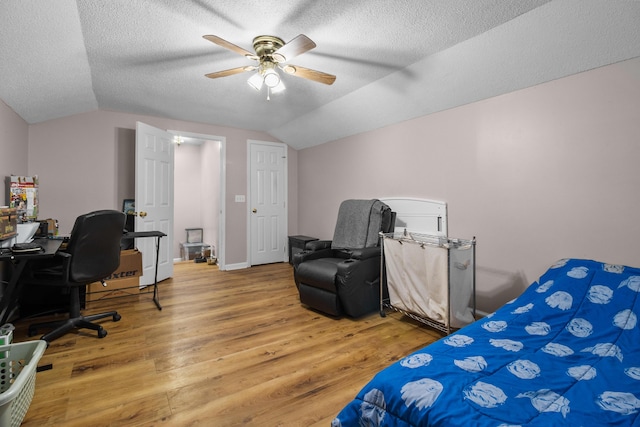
[(564, 353)]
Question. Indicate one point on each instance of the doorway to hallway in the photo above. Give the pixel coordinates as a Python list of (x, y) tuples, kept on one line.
[(198, 199), (210, 182)]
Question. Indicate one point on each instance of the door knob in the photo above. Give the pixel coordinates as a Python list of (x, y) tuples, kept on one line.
[(254, 210), (143, 214)]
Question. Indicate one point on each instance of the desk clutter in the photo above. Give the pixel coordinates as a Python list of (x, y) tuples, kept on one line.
[(23, 196), (18, 236), (8, 222), (26, 248)]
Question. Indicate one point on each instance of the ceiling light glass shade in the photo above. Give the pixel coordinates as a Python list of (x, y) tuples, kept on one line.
[(278, 88), (271, 78), (255, 81)]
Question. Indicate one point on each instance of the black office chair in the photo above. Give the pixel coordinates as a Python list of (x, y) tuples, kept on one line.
[(92, 253)]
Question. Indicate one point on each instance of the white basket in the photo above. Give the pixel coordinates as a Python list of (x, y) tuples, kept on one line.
[(18, 379)]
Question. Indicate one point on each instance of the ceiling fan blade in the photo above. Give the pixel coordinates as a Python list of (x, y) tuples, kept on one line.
[(230, 72), (228, 45), (307, 73), (295, 47)]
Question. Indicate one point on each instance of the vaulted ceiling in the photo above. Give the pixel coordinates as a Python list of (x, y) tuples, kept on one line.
[(394, 60)]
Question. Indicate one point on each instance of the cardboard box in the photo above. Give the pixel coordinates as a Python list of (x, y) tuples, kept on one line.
[(8, 222), (124, 281)]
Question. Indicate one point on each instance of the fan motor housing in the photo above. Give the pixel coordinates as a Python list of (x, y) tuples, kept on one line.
[(266, 45)]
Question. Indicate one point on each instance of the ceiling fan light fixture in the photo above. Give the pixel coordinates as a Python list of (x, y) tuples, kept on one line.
[(278, 57), (278, 88), (271, 78), (256, 81), (271, 52)]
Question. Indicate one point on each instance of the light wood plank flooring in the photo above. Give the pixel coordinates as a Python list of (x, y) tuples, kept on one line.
[(229, 348)]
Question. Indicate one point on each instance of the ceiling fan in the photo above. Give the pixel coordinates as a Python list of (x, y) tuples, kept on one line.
[(272, 53)]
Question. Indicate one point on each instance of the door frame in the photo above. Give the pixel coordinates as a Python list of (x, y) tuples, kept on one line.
[(220, 244), (285, 179)]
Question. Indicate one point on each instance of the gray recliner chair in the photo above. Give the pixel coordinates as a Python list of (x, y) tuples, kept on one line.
[(342, 276)]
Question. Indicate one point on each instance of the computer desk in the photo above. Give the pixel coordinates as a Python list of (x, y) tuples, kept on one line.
[(10, 294)]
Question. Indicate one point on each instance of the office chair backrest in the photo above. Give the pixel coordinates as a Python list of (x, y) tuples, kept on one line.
[(95, 245)]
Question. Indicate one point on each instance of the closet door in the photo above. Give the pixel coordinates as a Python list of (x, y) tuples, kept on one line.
[(267, 202)]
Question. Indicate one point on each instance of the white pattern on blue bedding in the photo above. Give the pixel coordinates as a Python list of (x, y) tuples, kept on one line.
[(565, 353)]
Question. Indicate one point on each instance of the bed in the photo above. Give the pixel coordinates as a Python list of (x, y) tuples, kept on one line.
[(566, 352)]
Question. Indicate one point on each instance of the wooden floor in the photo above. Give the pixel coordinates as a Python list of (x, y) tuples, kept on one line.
[(229, 348)]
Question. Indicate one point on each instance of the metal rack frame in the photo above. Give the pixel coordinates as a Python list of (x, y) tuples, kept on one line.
[(436, 241)]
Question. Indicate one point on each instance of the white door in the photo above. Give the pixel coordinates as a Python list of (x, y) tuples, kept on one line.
[(154, 199), (267, 202)]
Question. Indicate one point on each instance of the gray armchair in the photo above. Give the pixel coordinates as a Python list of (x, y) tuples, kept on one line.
[(342, 276)]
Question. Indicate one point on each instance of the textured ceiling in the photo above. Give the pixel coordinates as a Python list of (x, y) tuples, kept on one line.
[(393, 60)]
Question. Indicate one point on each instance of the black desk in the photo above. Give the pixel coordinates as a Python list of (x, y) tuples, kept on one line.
[(158, 235), (10, 294)]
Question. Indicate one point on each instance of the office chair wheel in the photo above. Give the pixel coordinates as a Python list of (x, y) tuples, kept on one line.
[(116, 317), (102, 333), (32, 331)]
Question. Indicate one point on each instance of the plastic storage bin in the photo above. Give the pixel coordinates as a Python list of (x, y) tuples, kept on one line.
[(194, 235), (18, 380), (189, 251)]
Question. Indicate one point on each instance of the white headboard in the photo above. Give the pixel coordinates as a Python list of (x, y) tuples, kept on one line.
[(419, 215)]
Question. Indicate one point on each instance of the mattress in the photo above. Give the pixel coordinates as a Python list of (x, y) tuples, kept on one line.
[(565, 353)]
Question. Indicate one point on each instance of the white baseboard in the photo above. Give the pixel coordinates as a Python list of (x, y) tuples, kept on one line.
[(238, 266)]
